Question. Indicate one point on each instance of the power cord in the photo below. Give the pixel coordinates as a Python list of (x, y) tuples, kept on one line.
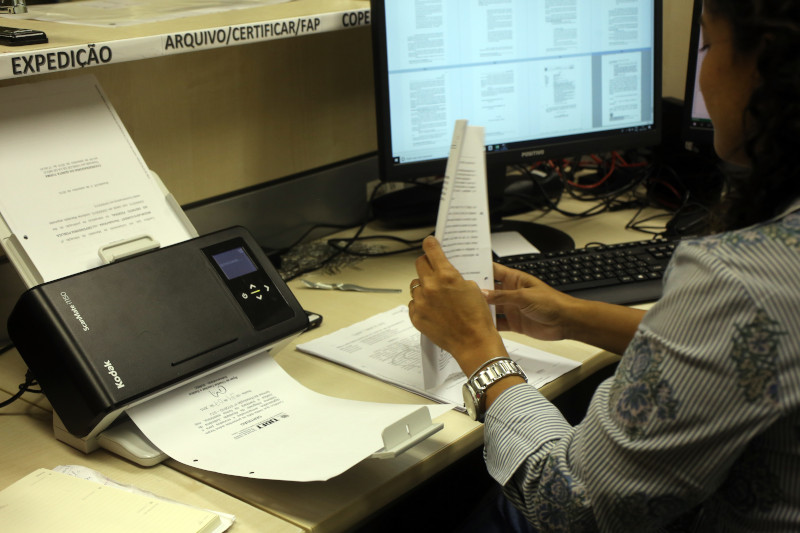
[(615, 185), (337, 251), (343, 244), (23, 388)]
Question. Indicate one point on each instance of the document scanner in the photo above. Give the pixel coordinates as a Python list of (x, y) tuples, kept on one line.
[(167, 308), (103, 340)]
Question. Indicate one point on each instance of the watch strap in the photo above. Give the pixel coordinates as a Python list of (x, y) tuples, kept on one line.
[(490, 373), (484, 365), (494, 372)]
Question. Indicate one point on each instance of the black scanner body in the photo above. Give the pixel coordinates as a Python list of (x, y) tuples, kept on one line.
[(114, 336)]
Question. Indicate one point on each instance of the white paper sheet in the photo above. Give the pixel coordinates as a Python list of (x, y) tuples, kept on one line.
[(254, 420), (506, 243), (462, 228), (84, 472), (386, 346), (72, 178)]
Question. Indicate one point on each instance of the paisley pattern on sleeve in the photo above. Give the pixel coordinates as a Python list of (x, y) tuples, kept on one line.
[(786, 231), (755, 353), (639, 394), (563, 502), (639, 506)]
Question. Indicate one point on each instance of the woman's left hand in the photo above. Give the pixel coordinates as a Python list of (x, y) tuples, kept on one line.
[(451, 311)]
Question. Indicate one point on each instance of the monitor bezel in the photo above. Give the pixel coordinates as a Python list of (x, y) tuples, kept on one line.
[(697, 136)]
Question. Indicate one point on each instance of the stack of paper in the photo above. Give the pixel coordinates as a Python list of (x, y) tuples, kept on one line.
[(463, 230), (73, 181), (386, 346), (51, 501)]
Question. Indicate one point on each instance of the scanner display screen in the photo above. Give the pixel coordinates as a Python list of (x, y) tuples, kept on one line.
[(234, 263)]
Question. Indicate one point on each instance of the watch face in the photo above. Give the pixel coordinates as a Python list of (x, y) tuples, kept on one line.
[(470, 402)]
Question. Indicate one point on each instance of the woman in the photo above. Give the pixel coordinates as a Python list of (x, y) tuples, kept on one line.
[(699, 429)]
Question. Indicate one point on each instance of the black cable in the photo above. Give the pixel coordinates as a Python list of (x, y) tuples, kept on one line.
[(411, 245), (606, 201), (549, 204), (306, 234), (338, 251), (605, 198), (628, 177), (638, 225), (6, 348), (596, 244), (23, 388), (623, 196)]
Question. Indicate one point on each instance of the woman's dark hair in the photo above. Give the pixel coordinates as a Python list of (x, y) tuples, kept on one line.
[(772, 29)]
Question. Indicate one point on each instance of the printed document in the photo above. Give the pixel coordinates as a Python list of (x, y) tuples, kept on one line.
[(73, 181), (463, 230), (386, 346), (253, 420), (46, 500), (226, 520)]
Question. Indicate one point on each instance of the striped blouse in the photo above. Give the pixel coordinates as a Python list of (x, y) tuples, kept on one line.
[(699, 429)]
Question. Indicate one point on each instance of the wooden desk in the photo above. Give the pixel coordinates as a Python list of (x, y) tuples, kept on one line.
[(342, 502)]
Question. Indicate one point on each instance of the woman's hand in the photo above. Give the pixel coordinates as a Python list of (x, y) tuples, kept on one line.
[(527, 305), (454, 314), (451, 311)]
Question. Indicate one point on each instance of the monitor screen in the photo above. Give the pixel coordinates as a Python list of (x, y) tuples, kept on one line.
[(697, 129), (545, 79)]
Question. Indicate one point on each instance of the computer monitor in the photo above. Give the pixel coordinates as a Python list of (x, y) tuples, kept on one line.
[(697, 131), (546, 79), (697, 176)]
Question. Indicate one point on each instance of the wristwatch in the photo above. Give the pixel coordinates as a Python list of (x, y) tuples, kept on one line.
[(474, 390)]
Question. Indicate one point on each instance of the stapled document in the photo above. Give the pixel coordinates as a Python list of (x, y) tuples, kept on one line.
[(386, 346), (463, 230)]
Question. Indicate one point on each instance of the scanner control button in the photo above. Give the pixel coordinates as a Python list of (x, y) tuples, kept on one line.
[(255, 291)]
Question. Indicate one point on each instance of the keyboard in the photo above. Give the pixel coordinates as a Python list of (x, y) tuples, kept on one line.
[(626, 273)]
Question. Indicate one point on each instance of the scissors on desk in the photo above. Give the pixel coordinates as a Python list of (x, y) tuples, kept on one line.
[(343, 287)]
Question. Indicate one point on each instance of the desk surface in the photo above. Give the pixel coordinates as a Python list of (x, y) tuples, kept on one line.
[(337, 504)]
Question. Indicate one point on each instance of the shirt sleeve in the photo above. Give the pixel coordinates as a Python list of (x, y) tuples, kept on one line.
[(693, 389)]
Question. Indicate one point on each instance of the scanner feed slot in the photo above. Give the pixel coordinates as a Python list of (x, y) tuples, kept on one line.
[(195, 356)]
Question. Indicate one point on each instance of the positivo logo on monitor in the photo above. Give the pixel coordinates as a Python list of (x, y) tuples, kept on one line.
[(114, 374), (533, 153)]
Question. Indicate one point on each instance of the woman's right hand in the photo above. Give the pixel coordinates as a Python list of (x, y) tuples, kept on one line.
[(527, 305)]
